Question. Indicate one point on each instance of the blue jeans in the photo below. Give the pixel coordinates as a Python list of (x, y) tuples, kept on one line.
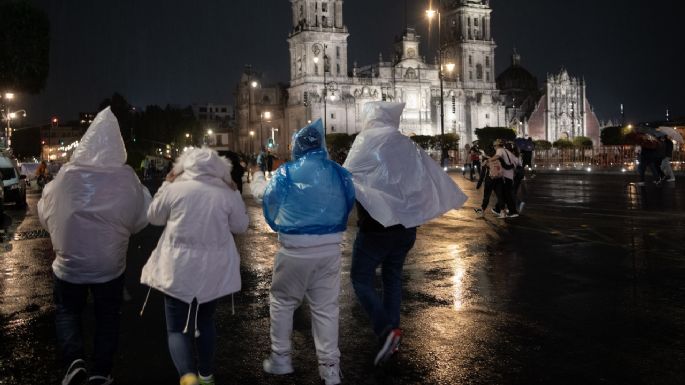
[(181, 345), (70, 300), (387, 249)]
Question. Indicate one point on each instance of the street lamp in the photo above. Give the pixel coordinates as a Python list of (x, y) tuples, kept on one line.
[(325, 83), (251, 142), (264, 115), (431, 13)]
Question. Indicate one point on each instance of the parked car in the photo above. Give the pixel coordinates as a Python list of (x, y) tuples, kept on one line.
[(13, 182)]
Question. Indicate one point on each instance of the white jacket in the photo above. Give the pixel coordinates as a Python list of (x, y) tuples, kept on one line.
[(196, 257), (93, 206)]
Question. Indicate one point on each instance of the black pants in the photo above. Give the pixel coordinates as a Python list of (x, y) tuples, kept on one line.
[(488, 187), (506, 195)]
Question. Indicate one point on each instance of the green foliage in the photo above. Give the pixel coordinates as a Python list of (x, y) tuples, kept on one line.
[(451, 141), (487, 135), (613, 136), (563, 144), (424, 141), (542, 145), (338, 145), (582, 142), (24, 47)]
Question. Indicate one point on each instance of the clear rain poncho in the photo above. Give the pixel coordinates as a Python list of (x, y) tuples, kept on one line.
[(395, 180), (93, 206), (310, 194)]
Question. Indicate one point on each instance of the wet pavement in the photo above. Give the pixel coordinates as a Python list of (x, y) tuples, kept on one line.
[(586, 287)]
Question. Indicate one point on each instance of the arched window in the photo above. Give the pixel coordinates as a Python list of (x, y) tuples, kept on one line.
[(479, 71)]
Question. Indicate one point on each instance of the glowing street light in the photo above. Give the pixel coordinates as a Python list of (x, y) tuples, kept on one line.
[(430, 14)]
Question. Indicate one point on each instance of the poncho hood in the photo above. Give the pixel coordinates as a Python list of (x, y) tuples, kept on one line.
[(309, 139), (203, 162), (381, 115), (102, 145)]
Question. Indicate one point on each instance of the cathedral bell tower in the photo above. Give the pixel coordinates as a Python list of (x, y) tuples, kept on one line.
[(318, 32), (468, 43)]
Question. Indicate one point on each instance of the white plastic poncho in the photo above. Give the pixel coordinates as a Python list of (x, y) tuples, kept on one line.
[(93, 206), (394, 179), (196, 256)]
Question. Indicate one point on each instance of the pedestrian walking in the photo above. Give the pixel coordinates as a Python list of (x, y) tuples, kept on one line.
[(475, 155), (648, 159), (307, 202), (505, 185), (261, 160), (490, 171), (91, 208), (270, 157), (520, 186), (398, 187), (196, 261), (666, 161)]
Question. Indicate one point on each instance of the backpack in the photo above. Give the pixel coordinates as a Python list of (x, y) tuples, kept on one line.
[(495, 168)]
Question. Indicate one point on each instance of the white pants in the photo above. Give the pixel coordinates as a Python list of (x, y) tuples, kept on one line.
[(318, 280)]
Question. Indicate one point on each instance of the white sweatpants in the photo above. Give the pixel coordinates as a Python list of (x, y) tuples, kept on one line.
[(316, 278)]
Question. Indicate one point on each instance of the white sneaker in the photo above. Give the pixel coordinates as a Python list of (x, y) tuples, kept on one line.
[(479, 212), (330, 373), (76, 374), (521, 206), (670, 180), (278, 364)]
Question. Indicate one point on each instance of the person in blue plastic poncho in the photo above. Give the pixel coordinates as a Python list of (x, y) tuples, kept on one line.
[(307, 202)]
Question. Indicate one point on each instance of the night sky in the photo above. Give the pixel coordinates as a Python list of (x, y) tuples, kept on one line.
[(183, 52)]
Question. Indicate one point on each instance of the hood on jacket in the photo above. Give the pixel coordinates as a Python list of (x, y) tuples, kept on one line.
[(381, 114), (102, 145), (308, 139), (203, 162)]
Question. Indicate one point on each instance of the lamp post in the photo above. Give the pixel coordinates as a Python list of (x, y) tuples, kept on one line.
[(264, 115), (325, 84), (8, 116), (252, 85), (251, 142), (450, 66)]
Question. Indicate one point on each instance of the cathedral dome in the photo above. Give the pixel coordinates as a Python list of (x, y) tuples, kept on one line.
[(516, 78)]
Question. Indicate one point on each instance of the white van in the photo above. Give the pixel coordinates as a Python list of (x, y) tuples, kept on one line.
[(13, 182)]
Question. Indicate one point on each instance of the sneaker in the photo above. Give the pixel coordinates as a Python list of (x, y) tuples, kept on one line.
[(521, 206), (76, 374), (330, 373), (498, 213), (670, 180), (100, 380), (278, 364), (390, 347), (479, 212), (190, 379), (209, 380), (512, 215)]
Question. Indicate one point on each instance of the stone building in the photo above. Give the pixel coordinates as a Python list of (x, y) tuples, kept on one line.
[(322, 85)]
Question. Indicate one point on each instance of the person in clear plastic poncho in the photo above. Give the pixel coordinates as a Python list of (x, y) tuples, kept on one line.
[(307, 202), (90, 209), (398, 187)]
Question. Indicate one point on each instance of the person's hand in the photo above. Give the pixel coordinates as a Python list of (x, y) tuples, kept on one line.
[(170, 177)]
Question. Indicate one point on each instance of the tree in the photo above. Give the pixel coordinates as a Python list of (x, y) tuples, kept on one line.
[(612, 136), (451, 142), (487, 135), (424, 141), (582, 142), (542, 145), (563, 144), (24, 47), (338, 145)]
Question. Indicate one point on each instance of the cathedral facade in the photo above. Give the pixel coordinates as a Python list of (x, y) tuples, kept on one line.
[(322, 85)]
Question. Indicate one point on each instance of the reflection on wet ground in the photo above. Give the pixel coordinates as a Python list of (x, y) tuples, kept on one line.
[(586, 287)]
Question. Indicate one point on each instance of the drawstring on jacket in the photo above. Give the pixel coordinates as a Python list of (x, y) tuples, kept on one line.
[(197, 310), (145, 303)]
